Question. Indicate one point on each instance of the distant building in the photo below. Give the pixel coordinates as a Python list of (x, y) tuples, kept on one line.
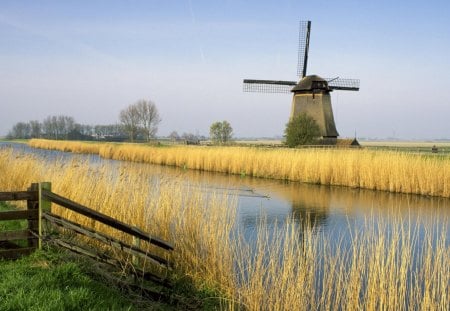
[(348, 142)]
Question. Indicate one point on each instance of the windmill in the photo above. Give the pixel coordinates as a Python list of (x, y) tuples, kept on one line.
[(311, 94)]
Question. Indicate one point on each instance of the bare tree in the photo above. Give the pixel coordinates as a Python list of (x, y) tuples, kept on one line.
[(36, 129), (140, 117), (65, 125), (148, 118), (58, 127), (129, 117), (174, 136), (85, 129), (50, 128), (190, 139), (20, 130)]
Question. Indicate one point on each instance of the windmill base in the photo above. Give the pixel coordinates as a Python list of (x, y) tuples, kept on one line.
[(317, 106), (328, 141)]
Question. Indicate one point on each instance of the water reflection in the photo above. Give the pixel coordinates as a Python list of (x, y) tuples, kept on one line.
[(324, 208)]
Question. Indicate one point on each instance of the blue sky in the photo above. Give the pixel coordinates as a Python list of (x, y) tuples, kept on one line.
[(90, 59)]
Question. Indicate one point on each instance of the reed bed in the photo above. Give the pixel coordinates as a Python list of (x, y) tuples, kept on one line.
[(396, 266), (377, 170)]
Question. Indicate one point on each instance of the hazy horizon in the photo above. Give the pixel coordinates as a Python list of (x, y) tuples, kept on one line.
[(91, 59)]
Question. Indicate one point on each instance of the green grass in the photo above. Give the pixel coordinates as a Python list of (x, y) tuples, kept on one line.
[(49, 280), (23, 141), (45, 280), (11, 224)]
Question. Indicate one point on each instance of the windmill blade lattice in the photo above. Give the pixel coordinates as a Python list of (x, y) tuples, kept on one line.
[(268, 86), (303, 47), (343, 84)]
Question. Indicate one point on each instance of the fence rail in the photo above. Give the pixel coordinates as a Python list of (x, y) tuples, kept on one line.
[(19, 196), (107, 220)]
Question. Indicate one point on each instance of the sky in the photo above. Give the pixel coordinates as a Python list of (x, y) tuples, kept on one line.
[(91, 59)]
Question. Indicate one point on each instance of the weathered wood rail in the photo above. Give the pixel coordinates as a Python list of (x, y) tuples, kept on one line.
[(39, 198), (116, 224)]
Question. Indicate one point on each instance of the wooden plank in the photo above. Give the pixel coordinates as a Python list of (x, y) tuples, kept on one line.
[(139, 288), (14, 235), (130, 249), (21, 214), (15, 253), (104, 258), (9, 245), (107, 220), (18, 195)]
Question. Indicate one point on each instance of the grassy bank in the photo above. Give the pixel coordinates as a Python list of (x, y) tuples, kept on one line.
[(383, 267), (49, 280), (378, 170)]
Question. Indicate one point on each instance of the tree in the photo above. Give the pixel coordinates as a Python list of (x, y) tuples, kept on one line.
[(174, 136), (49, 127), (65, 125), (140, 117), (221, 132), (148, 118), (58, 127), (190, 139), (36, 129), (301, 130), (129, 117), (20, 130)]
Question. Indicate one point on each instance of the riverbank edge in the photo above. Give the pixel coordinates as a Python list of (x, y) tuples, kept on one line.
[(390, 171)]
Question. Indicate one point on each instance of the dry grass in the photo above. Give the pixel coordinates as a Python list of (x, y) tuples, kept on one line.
[(383, 267), (377, 170), (193, 221), (376, 272)]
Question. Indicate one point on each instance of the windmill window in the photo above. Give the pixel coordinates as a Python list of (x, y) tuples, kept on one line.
[(318, 85)]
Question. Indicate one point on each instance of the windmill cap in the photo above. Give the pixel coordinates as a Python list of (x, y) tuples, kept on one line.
[(311, 83)]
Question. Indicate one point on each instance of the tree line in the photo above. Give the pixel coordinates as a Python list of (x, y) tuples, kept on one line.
[(64, 128), (138, 121)]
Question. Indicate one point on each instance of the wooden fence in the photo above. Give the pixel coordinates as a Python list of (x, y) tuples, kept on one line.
[(39, 198), (11, 246)]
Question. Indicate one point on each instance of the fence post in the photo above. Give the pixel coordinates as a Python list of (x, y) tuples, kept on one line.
[(32, 224), (44, 205), (135, 260)]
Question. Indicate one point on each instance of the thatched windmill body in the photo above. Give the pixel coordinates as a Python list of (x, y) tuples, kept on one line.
[(311, 94)]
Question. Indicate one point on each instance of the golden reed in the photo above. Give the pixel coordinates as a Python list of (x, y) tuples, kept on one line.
[(384, 267), (377, 170)]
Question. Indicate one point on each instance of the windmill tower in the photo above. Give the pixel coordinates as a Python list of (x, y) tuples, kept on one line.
[(311, 94)]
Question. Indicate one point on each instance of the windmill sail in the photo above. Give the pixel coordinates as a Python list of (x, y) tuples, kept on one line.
[(343, 84), (268, 86), (303, 47)]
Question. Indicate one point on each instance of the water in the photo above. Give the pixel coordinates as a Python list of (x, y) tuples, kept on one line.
[(333, 211)]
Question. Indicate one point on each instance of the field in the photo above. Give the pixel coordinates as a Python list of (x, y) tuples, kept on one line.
[(425, 147), (382, 268), (394, 171)]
